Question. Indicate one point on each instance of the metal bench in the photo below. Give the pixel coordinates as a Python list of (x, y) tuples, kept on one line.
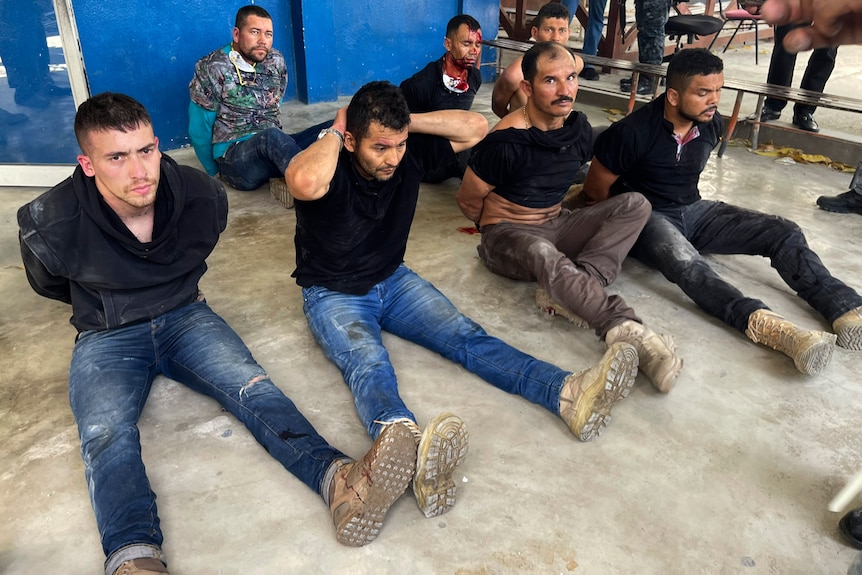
[(742, 87)]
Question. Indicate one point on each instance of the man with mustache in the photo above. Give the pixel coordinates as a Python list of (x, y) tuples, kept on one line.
[(513, 190), (550, 25), (235, 95), (449, 83), (659, 151)]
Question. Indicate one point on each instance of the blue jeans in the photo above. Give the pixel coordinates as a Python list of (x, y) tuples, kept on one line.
[(674, 239), (349, 327), (249, 164), (595, 25), (109, 380)]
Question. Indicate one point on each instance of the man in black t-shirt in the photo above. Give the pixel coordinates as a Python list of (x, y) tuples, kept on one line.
[(660, 151), (354, 208), (513, 190), (449, 83)]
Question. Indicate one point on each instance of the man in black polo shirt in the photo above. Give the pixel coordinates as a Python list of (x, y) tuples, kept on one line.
[(354, 209), (660, 151), (449, 83), (514, 189)]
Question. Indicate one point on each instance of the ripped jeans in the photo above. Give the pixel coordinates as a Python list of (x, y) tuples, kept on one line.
[(109, 380)]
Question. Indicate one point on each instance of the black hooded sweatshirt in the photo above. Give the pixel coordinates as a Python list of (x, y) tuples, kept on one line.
[(77, 250)]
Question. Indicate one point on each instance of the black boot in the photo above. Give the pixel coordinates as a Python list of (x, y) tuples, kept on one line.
[(851, 527), (644, 85), (848, 202)]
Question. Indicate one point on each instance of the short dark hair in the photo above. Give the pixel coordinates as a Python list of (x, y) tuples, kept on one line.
[(378, 101), (689, 63), (109, 111), (456, 21), (243, 13), (530, 61), (551, 10)]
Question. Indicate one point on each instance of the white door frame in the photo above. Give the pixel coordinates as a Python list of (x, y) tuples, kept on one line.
[(47, 175)]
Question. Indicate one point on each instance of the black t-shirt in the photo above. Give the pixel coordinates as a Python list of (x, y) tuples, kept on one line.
[(355, 236), (643, 151), (533, 168), (425, 91)]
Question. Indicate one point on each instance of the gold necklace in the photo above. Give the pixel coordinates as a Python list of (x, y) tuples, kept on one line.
[(526, 117)]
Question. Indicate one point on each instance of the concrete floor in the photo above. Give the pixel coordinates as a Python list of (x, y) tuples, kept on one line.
[(730, 473)]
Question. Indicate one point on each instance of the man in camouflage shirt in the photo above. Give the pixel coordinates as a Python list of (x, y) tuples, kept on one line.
[(233, 114)]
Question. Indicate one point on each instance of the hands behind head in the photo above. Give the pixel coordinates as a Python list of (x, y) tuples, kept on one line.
[(340, 121), (833, 22)]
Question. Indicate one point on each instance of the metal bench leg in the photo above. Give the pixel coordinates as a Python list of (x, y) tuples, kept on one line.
[(631, 106), (755, 131), (731, 126)]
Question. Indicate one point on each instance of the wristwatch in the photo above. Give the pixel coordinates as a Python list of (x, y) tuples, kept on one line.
[(325, 131)]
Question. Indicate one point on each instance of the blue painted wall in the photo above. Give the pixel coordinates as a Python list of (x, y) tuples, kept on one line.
[(342, 45), (148, 49)]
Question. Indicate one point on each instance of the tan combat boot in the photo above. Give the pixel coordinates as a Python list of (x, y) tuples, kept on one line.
[(143, 566), (362, 491), (657, 352), (550, 307), (810, 350), (442, 448), (587, 397), (848, 328), (439, 450)]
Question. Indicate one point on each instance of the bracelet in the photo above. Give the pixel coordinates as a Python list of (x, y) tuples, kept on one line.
[(325, 131)]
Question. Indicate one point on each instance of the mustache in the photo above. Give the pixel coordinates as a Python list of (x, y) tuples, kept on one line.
[(562, 99)]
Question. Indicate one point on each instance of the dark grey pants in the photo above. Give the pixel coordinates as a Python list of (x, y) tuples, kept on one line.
[(674, 239), (573, 257)]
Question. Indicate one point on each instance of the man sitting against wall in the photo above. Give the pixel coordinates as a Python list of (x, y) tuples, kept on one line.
[(449, 83), (235, 95)]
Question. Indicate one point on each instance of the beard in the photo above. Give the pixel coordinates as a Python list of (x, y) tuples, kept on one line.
[(696, 118)]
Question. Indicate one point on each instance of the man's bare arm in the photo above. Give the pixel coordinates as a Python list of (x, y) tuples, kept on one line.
[(309, 173), (471, 195), (508, 88), (597, 185), (833, 22), (463, 129)]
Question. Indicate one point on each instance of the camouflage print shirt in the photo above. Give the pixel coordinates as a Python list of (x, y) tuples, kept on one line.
[(245, 103)]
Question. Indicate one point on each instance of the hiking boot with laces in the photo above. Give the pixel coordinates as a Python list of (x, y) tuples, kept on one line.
[(587, 397), (142, 566), (362, 491), (809, 350), (656, 352), (848, 329), (442, 447), (550, 307)]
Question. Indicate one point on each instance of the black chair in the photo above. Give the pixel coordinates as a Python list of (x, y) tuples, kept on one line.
[(685, 28)]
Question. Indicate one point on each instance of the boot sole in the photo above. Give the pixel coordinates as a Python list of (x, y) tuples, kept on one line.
[(388, 476), (442, 448), (616, 378), (815, 358), (850, 338)]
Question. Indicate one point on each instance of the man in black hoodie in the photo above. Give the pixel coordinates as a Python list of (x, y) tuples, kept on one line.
[(514, 188), (124, 241)]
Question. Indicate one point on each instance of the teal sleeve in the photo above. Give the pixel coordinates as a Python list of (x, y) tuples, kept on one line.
[(201, 134)]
